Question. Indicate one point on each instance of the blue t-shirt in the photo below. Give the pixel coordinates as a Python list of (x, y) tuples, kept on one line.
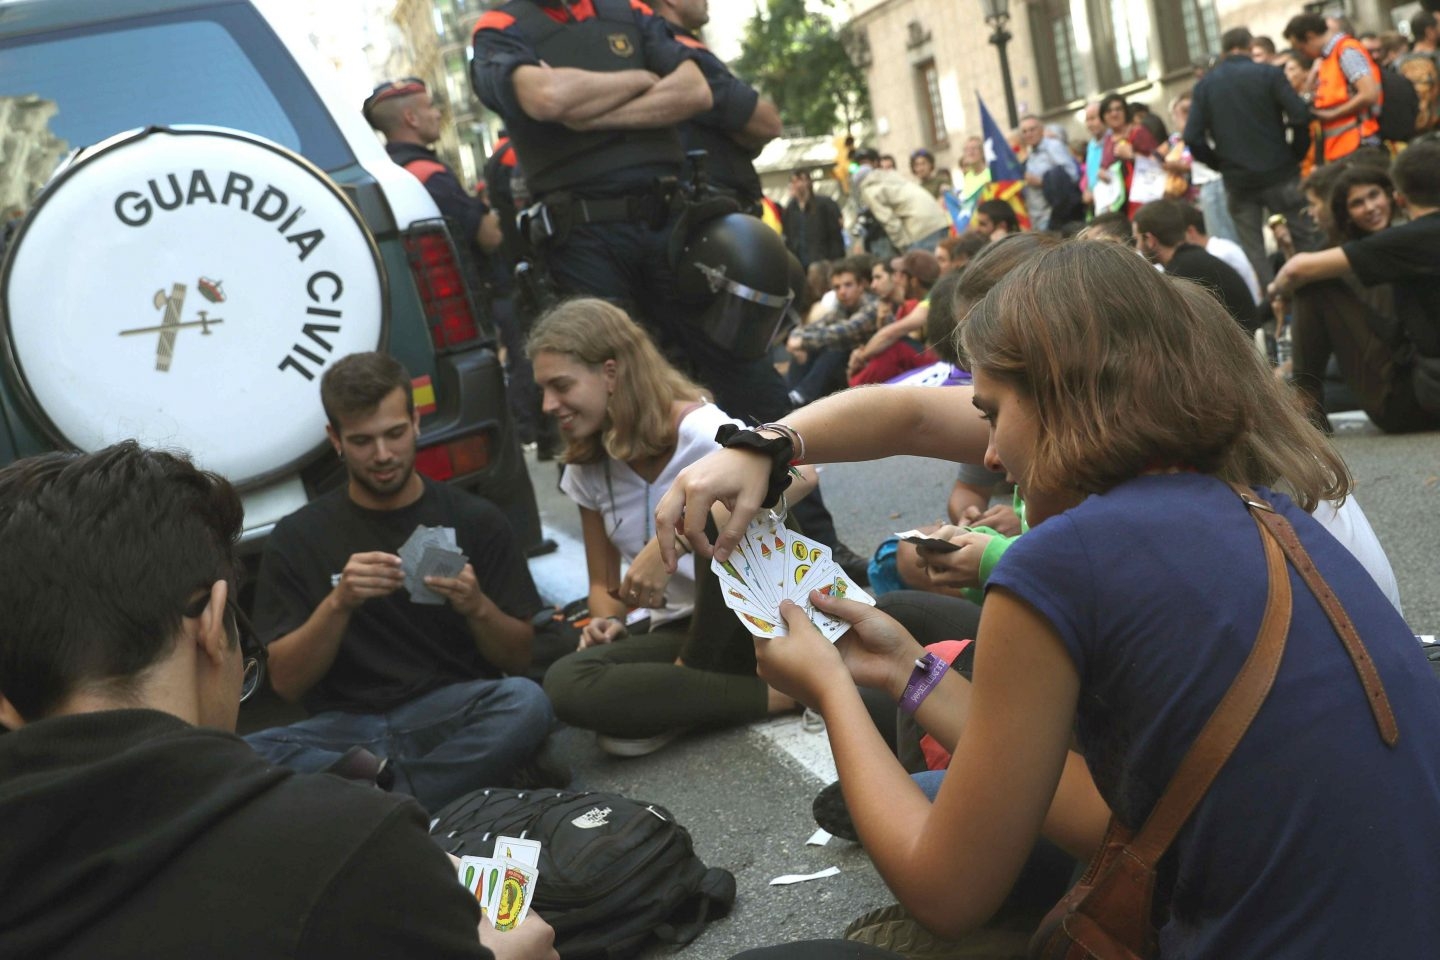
[(1316, 840)]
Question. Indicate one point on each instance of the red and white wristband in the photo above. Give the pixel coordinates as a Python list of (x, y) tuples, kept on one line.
[(923, 679)]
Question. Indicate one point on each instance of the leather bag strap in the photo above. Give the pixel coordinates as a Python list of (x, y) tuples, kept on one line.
[(1375, 694), (1232, 716)]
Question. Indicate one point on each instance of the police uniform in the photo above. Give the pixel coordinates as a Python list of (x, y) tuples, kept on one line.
[(601, 224), (728, 165)]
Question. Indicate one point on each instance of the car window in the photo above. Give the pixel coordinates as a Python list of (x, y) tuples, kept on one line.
[(218, 65)]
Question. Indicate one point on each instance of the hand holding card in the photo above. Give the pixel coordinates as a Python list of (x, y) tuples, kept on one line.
[(772, 564)]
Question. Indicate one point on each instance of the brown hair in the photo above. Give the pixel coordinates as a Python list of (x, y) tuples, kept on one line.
[(989, 267), (1129, 369), (1357, 175), (638, 422), (357, 383)]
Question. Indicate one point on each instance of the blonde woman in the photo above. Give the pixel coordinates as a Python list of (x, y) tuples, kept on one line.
[(631, 422)]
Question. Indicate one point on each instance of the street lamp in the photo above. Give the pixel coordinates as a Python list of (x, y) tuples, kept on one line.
[(997, 14)]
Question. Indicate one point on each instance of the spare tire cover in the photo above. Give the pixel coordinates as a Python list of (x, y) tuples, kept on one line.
[(187, 287)]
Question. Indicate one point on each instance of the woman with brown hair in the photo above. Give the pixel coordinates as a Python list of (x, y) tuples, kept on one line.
[(631, 422), (1128, 155), (1122, 402)]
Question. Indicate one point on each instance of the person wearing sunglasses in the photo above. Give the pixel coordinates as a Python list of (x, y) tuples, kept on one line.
[(132, 820)]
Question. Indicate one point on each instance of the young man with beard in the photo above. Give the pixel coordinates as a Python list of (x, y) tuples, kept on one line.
[(423, 687)]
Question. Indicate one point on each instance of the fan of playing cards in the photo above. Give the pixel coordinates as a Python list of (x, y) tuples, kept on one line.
[(772, 564), (504, 884), (430, 552)]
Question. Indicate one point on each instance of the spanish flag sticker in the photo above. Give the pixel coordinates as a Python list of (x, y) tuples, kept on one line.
[(424, 393)]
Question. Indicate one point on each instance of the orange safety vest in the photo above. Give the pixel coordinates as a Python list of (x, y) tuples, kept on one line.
[(1341, 137)]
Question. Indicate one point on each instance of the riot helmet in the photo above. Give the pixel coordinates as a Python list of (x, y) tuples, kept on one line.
[(735, 271)]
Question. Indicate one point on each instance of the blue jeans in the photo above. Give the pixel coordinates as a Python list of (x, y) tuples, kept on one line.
[(1213, 204), (442, 745)]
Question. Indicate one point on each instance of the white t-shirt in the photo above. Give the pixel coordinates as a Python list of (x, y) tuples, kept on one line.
[(1230, 252), (626, 503), (1350, 526)]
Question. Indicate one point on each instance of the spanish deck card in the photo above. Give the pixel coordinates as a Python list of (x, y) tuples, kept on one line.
[(772, 564), (429, 552)]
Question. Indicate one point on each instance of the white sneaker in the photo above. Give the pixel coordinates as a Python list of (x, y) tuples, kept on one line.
[(637, 747)]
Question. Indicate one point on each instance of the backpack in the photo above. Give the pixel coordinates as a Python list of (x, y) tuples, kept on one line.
[(1400, 106), (614, 872), (1423, 72)]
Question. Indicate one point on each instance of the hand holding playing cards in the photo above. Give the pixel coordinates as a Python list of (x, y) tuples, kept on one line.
[(958, 568), (368, 575), (878, 652), (462, 592), (802, 665), (532, 940), (736, 478)]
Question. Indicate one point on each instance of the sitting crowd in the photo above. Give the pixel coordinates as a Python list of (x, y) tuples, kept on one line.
[(1026, 695)]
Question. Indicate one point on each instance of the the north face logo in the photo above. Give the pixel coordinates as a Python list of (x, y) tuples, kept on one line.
[(592, 818)]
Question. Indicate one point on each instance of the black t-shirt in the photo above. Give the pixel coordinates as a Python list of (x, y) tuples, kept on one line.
[(1408, 258), (1194, 263), (394, 650)]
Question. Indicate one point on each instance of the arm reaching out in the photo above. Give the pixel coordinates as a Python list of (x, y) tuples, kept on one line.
[(868, 423)]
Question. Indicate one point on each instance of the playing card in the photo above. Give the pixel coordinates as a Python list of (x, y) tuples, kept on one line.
[(514, 848), (438, 560), (928, 542), (481, 876), (517, 885), (773, 564), (763, 547)]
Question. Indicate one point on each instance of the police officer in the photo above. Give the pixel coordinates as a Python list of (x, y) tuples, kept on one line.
[(590, 92), (739, 122), (403, 111)]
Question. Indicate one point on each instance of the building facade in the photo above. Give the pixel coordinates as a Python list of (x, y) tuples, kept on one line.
[(927, 59)]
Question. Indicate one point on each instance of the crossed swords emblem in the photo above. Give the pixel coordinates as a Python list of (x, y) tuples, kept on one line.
[(172, 324)]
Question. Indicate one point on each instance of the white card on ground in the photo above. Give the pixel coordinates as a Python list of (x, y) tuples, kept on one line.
[(819, 838), (802, 877)]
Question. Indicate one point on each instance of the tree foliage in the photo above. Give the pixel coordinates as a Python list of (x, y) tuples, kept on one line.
[(796, 56)]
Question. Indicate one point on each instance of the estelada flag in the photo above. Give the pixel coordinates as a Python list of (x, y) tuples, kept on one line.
[(1007, 173)]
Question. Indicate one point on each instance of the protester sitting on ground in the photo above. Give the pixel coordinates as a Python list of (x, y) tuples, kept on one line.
[(1113, 226), (948, 255), (631, 422), (887, 283), (130, 814), (906, 210), (821, 349), (423, 687), (1227, 251), (1362, 201), (1160, 235), (1391, 360), (1080, 336), (995, 220), (897, 346)]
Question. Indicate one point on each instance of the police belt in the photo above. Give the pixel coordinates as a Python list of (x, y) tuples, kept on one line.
[(554, 217)]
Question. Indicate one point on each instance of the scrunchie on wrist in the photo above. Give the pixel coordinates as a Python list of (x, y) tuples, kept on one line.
[(779, 449)]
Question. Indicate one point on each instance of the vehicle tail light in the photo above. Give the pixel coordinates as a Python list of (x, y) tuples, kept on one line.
[(458, 458), (441, 283)]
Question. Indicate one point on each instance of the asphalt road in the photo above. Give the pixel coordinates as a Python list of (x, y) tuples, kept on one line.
[(746, 798)]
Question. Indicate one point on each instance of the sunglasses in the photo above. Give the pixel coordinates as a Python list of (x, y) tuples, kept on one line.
[(252, 651)]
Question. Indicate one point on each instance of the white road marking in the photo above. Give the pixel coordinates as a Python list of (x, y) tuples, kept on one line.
[(810, 751), (560, 575)]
